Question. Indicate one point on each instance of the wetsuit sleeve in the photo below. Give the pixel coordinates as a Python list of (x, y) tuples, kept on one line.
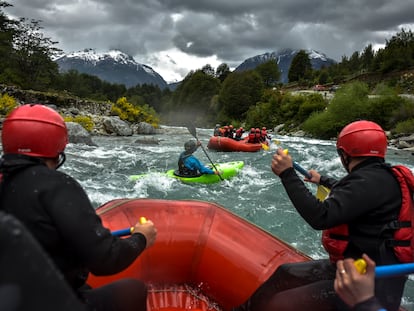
[(327, 181), (82, 230), (301, 197), (196, 164), (352, 197), (371, 304)]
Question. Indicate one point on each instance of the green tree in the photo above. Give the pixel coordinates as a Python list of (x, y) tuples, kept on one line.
[(240, 91), (222, 71), (208, 70), (354, 63), (33, 54), (192, 98), (367, 57), (399, 52), (300, 68), (270, 73), (7, 34)]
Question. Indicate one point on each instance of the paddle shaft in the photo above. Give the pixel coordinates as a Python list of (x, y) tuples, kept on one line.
[(122, 232), (394, 270), (301, 170)]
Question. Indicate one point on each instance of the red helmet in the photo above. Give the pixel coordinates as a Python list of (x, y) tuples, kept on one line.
[(363, 139), (34, 130)]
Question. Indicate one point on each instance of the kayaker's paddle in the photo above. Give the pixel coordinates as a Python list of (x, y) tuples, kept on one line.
[(191, 128), (321, 192)]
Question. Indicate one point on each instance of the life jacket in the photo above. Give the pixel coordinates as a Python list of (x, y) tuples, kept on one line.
[(335, 240), (182, 169), (263, 135), (252, 137), (258, 135), (239, 133)]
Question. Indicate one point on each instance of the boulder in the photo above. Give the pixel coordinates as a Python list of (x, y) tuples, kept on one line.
[(114, 125), (78, 135)]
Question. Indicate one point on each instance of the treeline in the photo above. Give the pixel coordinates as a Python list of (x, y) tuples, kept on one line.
[(206, 96)]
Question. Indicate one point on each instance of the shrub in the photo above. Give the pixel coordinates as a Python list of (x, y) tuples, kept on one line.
[(404, 127), (7, 104), (135, 113), (322, 125), (85, 121)]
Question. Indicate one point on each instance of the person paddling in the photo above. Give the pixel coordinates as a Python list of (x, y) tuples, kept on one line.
[(58, 213), (189, 165)]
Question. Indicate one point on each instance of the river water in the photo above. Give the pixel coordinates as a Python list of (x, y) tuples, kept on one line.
[(255, 194)]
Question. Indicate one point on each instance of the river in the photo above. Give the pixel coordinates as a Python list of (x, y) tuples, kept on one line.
[(255, 194)]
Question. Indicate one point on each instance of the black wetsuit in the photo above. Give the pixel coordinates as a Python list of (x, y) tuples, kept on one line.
[(367, 199), (57, 211)]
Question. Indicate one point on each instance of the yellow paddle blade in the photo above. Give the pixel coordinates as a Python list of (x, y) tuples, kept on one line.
[(265, 147), (322, 192)]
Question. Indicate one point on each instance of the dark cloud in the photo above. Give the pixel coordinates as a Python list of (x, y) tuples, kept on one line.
[(228, 31)]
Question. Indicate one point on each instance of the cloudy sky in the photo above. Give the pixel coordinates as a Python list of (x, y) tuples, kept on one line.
[(176, 36)]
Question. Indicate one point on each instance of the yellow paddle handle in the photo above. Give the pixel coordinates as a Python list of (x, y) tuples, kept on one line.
[(361, 265)]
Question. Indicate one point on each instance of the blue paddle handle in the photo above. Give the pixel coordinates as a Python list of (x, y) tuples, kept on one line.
[(122, 232), (301, 170), (394, 270)]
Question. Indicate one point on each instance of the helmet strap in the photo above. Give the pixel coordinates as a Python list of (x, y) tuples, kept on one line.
[(61, 160), (345, 159)]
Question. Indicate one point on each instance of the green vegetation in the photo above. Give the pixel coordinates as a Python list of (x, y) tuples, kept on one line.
[(86, 121), (352, 102), (134, 113), (7, 104), (369, 86)]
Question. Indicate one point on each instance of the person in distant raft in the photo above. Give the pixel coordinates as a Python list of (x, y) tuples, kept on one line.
[(189, 165), (368, 211), (58, 213)]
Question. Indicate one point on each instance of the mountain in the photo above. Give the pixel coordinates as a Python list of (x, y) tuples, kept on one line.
[(284, 59), (113, 67)]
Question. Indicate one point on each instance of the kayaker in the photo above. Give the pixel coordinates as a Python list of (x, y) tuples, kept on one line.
[(357, 289), (189, 165), (56, 210), (360, 215)]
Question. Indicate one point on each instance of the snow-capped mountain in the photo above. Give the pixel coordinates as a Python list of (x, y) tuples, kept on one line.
[(284, 59), (113, 67)]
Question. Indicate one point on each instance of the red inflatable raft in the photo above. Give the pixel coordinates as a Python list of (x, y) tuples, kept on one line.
[(220, 143), (205, 257)]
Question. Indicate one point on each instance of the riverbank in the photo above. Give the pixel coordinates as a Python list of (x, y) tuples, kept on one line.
[(107, 124)]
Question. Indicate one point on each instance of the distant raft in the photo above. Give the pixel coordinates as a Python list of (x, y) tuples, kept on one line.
[(227, 144), (227, 169)]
